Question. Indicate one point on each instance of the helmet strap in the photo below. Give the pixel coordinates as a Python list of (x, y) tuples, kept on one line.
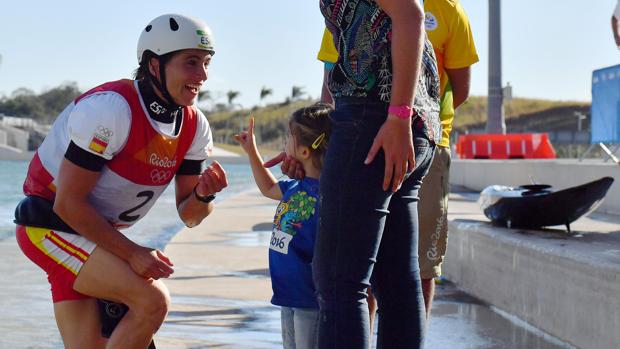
[(161, 86)]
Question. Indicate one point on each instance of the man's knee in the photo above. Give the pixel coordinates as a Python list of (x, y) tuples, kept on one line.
[(152, 306)]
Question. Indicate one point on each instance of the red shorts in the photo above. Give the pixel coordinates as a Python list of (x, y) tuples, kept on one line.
[(60, 254)]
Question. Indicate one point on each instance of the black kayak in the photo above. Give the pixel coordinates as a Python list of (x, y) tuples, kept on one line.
[(537, 205)]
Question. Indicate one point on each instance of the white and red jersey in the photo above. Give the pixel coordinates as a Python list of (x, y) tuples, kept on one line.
[(111, 121)]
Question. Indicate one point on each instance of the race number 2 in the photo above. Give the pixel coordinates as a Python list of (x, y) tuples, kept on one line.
[(279, 241), (126, 216)]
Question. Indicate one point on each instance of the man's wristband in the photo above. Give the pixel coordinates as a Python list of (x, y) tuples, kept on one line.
[(206, 199)]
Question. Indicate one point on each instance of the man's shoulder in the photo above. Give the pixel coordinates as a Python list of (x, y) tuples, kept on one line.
[(109, 105), (441, 15), (446, 9), (450, 4)]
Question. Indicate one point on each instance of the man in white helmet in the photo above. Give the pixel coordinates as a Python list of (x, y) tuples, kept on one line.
[(107, 158)]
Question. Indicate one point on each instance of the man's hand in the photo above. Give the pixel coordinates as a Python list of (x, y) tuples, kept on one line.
[(396, 140), (212, 180), (246, 138), (150, 263), (289, 166)]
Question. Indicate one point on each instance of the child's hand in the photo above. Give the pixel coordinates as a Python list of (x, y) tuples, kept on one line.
[(246, 138)]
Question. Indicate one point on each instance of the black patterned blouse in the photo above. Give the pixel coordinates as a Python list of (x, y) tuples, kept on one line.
[(362, 34)]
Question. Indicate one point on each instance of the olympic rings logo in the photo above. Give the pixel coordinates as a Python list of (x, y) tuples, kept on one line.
[(160, 176), (104, 131)]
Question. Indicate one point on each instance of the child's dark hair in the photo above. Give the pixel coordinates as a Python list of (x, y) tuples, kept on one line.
[(310, 126)]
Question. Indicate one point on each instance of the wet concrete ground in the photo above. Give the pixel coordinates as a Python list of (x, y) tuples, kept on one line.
[(225, 261), (458, 320), (461, 321)]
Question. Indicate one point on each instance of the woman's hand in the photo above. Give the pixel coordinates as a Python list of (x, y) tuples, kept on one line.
[(407, 43), (396, 140)]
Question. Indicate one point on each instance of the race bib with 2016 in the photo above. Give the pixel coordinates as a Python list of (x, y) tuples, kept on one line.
[(279, 241)]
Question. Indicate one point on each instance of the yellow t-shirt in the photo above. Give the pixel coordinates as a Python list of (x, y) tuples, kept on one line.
[(448, 29), (328, 52)]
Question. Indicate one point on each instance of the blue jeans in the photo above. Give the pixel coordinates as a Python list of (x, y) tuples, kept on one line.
[(299, 328), (365, 231)]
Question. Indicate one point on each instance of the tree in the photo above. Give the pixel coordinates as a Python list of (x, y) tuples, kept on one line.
[(43, 107), (231, 95), (204, 95), (21, 92), (297, 92), (264, 92)]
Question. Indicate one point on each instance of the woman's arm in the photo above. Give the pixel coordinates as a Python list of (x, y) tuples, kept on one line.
[(395, 136), (188, 188), (407, 45), (71, 204)]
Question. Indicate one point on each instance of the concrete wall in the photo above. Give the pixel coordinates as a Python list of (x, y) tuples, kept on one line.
[(16, 137), (10, 153), (560, 286), (478, 174)]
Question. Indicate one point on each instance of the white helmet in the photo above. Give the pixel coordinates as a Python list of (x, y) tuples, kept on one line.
[(173, 32)]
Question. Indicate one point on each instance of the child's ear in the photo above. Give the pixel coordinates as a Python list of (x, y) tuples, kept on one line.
[(305, 152)]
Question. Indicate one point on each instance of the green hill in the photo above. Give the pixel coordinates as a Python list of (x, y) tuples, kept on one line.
[(522, 115), (270, 123)]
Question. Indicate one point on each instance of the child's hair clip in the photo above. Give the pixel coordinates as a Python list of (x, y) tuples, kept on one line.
[(318, 140)]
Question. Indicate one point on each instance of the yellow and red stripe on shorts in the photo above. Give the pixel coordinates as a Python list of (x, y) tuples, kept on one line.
[(60, 254)]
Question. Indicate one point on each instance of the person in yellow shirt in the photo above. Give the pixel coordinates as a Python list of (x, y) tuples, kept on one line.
[(448, 29)]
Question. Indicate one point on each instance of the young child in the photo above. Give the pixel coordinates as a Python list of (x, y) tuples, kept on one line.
[(295, 223)]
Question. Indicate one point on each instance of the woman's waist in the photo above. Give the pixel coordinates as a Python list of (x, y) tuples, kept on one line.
[(342, 101)]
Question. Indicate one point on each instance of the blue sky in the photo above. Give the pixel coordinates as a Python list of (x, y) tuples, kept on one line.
[(549, 51)]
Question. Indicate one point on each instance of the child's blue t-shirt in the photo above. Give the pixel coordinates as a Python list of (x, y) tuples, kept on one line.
[(292, 244)]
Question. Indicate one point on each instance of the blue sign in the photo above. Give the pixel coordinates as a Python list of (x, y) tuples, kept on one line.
[(605, 112)]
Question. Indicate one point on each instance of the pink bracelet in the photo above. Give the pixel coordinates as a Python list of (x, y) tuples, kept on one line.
[(401, 111)]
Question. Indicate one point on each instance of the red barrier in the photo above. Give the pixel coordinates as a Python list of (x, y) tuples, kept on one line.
[(508, 146)]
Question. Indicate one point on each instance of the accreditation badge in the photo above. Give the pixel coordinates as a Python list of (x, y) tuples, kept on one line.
[(279, 241)]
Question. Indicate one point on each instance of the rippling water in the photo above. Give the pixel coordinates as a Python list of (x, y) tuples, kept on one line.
[(155, 230)]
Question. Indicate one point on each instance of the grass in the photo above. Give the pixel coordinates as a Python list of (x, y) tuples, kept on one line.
[(474, 111), (270, 125), (522, 115)]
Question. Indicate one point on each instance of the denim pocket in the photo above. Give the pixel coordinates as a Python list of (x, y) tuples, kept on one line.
[(421, 142), (424, 151)]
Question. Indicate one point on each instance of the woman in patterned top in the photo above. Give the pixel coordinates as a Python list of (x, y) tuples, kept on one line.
[(384, 129)]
